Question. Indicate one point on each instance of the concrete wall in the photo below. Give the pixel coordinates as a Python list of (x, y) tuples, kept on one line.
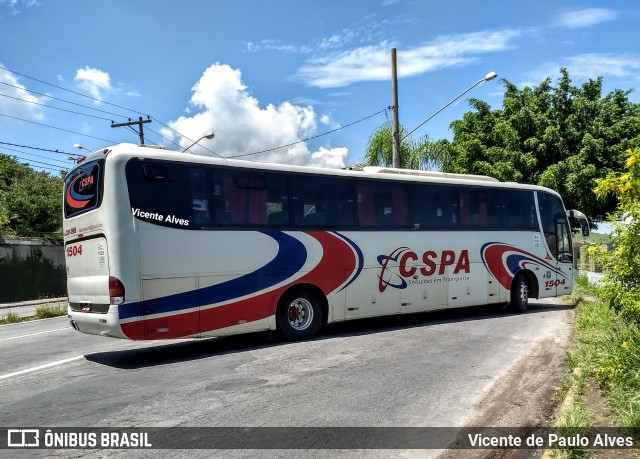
[(31, 269)]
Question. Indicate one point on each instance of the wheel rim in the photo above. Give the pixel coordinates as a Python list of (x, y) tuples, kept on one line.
[(300, 314), (523, 292)]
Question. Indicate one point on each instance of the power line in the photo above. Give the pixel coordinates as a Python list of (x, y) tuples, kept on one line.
[(152, 117), (42, 162), (55, 108), (163, 137), (41, 149), (183, 136), (310, 138), (73, 92), (59, 99), (38, 156), (91, 108), (59, 129)]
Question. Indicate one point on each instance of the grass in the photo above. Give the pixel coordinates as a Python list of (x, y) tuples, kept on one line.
[(576, 416), (605, 352), (46, 311), (43, 311), (10, 318)]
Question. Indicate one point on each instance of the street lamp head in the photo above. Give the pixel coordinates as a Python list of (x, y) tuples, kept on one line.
[(208, 135), (490, 76), (80, 147)]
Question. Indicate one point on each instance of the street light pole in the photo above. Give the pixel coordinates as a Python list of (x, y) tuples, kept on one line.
[(488, 76), (395, 124), (208, 135)]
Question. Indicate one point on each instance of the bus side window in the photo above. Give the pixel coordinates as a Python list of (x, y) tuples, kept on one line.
[(240, 198), (321, 202), (382, 205), (277, 200), (434, 207), (200, 197), (163, 190), (518, 210), (479, 208)]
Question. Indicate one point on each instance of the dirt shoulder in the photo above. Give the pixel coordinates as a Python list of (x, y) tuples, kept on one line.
[(526, 397)]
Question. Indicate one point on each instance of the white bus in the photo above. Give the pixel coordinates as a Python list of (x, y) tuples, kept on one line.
[(161, 244)]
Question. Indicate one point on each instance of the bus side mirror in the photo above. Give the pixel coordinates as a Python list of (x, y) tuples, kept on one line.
[(585, 228)]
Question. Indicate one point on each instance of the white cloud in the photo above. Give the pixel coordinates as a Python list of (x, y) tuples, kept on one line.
[(327, 121), (585, 18), (19, 103), (14, 6), (371, 63), (583, 67), (329, 157), (272, 45), (94, 81), (222, 103)]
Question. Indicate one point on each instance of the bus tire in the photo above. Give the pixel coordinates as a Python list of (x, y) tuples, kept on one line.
[(519, 294), (299, 315)]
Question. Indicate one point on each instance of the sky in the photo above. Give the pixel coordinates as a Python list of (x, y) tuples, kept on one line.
[(296, 82)]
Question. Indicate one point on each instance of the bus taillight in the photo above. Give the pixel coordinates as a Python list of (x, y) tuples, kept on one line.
[(116, 290)]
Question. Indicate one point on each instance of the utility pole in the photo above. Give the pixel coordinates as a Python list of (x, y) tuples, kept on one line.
[(140, 122), (394, 118)]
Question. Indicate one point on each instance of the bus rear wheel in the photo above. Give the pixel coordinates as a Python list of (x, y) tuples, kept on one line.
[(519, 294), (299, 315)]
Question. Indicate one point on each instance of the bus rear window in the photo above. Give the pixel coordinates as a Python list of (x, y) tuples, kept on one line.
[(83, 189)]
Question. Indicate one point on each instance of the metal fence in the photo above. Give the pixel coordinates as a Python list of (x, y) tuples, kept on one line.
[(584, 261)]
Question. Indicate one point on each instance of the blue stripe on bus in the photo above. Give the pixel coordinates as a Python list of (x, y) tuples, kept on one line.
[(290, 258), (514, 263)]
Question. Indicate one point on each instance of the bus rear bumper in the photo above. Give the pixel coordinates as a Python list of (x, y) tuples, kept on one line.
[(97, 324)]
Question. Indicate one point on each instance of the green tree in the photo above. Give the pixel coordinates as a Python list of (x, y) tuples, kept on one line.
[(30, 201), (563, 137), (622, 288), (419, 154)]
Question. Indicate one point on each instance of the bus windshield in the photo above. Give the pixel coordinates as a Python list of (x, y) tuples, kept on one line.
[(82, 189)]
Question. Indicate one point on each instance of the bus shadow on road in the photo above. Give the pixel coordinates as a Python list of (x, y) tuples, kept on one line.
[(431, 318), (163, 353)]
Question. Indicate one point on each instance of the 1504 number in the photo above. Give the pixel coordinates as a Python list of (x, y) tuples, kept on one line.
[(555, 283), (74, 250)]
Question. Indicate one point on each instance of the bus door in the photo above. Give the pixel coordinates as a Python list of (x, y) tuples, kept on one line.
[(557, 234), (564, 257)]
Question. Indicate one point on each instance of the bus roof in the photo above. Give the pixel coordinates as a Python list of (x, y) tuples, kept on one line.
[(372, 172)]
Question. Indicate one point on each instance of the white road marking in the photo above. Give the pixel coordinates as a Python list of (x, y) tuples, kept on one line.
[(37, 333), (42, 367)]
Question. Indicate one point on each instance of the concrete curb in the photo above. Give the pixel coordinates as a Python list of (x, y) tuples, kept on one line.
[(28, 309), (564, 408), (33, 302)]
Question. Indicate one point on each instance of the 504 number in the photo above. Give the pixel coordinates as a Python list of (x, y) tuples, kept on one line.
[(74, 250)]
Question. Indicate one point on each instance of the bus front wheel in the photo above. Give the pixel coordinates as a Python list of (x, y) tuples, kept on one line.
[(519, 294), (299, 315)]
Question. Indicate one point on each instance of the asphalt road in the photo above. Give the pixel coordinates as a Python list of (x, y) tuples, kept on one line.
[(456, 368)]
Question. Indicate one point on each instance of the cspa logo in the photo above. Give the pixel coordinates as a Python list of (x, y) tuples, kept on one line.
[(401, 264)]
